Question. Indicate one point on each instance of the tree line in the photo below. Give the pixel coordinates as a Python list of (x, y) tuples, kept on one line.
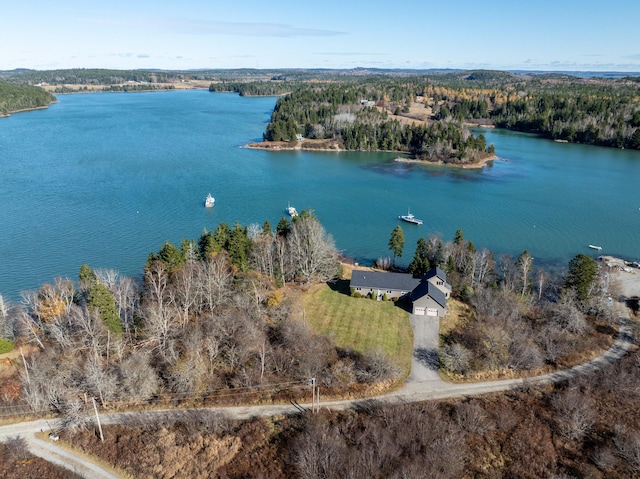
[(596, 111)]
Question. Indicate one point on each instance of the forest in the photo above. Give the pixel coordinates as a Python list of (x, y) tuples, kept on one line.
[(22, 97)]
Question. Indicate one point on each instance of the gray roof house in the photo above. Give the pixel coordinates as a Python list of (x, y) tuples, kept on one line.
[(438, 278), (428, 300), (428, 294), (394, 285)]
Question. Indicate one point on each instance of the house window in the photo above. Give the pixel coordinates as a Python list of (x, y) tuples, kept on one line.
[(389, 291)]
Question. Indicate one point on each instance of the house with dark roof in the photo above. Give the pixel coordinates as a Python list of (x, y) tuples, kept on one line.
[(428, 300), (428, 294), (438, 278), (394, 285)]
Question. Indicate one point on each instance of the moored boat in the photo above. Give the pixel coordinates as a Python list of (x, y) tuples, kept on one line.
[(592, 246), (209, 201), (292, 211), (409, 218)]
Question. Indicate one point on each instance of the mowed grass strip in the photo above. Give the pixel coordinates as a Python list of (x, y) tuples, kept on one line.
[(361, 324)]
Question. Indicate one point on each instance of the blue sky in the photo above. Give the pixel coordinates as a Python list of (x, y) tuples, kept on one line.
[(562, 35)]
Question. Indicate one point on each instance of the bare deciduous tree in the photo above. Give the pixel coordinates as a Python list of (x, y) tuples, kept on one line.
[(575, 412), (215, 281), (138, 379), (313, 252)]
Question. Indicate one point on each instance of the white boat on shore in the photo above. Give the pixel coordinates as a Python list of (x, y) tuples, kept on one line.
[(409, 218), (209, 201), (292, 211), (592, 246)]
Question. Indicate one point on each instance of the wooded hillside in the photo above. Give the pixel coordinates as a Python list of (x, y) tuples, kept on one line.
[(22, 97)]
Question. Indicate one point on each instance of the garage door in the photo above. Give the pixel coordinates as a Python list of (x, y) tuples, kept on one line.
[(419, 311), (432, 312)]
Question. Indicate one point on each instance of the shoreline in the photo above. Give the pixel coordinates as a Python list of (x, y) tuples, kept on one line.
[(7, 115), (333, 145), (466, 166)]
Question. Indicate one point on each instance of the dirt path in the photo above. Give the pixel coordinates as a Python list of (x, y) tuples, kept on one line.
[(49, 451)]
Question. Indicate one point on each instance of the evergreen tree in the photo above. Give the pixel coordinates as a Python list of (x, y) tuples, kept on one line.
[(238, 247), (582, 274), (100, 298), (170, 256), (396, 242), (267, 229), (420, 263), (283, 227), (221, 237), (206, 244)]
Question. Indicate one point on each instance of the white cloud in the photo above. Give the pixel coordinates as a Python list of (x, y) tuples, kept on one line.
[(200, 27)]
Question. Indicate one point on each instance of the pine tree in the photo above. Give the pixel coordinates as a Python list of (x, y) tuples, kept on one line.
[(396, 242), (582, 274)]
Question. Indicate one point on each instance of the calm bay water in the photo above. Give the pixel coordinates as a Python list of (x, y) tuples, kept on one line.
[(104, 179)]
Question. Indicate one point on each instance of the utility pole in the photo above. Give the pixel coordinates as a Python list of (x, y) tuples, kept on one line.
[(95, 408), (313, 395)]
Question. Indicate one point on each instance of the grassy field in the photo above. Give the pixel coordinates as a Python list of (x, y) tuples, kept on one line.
[(360, 324)]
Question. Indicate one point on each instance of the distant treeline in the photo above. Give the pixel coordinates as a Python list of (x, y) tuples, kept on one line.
[(94, 76), (262, 88), (595, 111), (22, 97)]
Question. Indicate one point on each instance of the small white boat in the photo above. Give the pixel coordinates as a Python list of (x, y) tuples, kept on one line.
[(292, 211), (209, 201), (409, 218), (592, 246)]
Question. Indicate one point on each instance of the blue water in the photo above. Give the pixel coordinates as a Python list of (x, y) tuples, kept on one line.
[(104, 179)]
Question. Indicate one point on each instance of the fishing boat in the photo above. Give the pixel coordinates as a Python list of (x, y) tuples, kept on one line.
[(209, 201), (592, 246), (409, 218), (292, 211)]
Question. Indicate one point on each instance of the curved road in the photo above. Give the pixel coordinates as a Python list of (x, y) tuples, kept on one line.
[(423, 384)]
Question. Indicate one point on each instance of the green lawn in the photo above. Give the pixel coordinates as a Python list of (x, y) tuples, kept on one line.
[(6, 346), (360, 324)]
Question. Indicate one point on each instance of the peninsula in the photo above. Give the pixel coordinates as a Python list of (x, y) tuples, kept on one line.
[(16, 98)]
